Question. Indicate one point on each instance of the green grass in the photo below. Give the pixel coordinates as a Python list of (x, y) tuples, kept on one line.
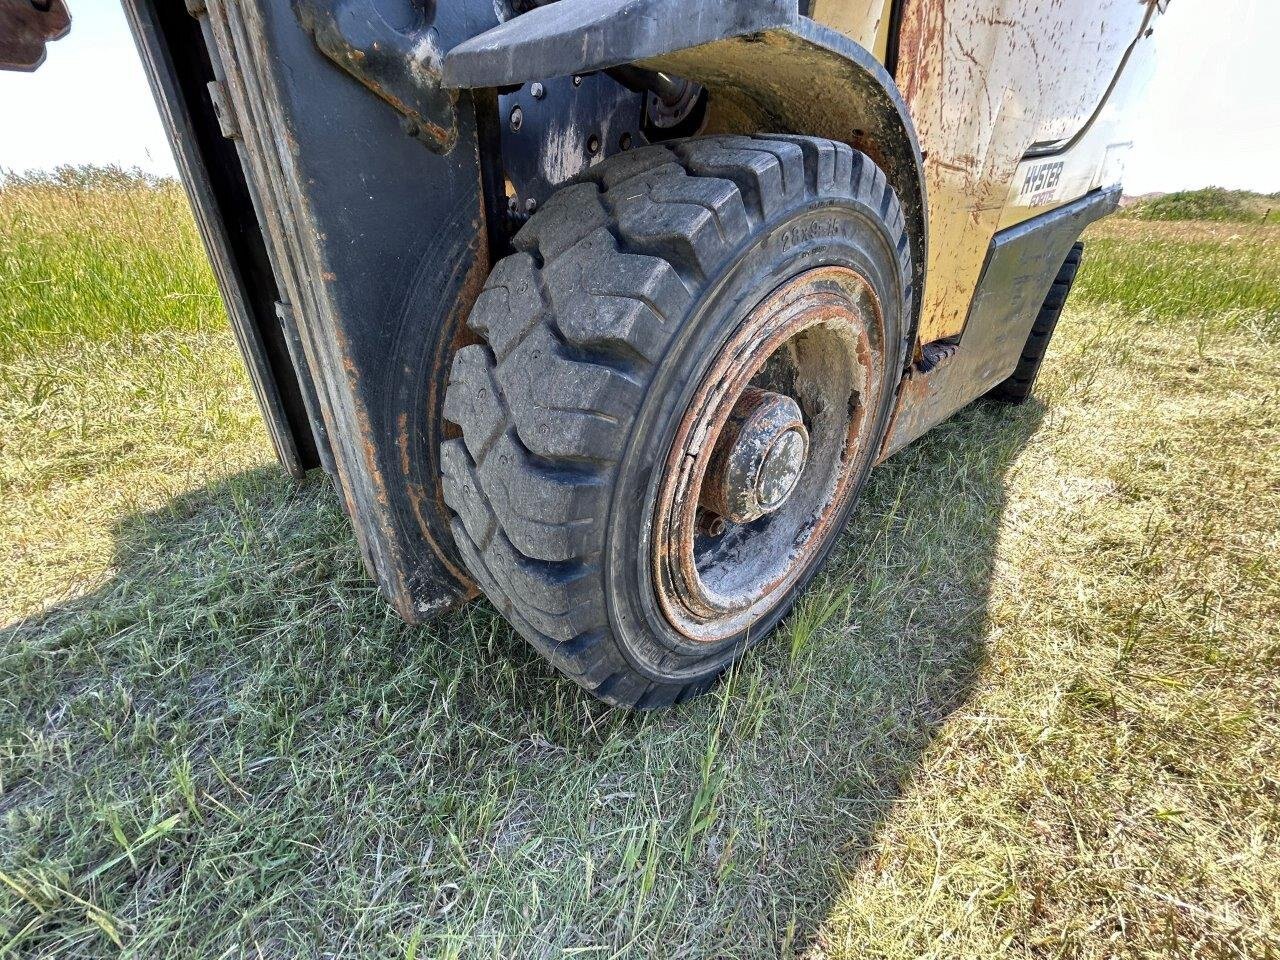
[(1210, 204), (1196, 275), (1030, 709), (100, 255)]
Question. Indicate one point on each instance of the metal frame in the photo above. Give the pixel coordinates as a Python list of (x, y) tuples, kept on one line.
[(377, 247), (180, 72)]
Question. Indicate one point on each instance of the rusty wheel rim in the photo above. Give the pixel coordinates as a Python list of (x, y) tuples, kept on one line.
[(802, 373)]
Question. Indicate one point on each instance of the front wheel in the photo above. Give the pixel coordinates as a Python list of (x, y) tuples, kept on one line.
[(686, 372)]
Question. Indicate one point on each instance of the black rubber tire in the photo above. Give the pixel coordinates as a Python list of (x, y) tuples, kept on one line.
[(594, 334), (1018, 388)]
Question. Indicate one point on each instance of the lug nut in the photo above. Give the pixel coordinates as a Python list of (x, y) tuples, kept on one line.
[(711, 524)]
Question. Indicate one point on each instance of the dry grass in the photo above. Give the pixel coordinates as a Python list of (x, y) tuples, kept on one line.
[(1031, 709)]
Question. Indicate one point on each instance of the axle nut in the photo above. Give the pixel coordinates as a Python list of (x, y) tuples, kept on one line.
[(758, 458)]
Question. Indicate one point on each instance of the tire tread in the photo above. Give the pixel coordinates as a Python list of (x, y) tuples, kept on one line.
[(1020, 384), (573, 324)]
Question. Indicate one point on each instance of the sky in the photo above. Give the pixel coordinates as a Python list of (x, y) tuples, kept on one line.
[(1211, 115)]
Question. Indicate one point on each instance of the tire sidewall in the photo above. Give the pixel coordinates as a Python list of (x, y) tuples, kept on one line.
[(826, 231)]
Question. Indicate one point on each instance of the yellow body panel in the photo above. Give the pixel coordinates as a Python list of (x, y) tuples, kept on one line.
[(986, 81), (866, 21)]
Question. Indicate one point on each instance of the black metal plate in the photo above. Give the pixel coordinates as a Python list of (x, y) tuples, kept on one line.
[(555, 131)]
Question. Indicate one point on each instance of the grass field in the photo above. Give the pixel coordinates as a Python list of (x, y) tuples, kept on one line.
[(1211, 203), (1032, 707)]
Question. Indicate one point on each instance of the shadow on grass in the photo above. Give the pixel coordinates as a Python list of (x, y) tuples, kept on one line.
[(234, 744)]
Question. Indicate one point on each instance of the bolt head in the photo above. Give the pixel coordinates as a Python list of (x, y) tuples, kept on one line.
[(517, 118), (710, 524)]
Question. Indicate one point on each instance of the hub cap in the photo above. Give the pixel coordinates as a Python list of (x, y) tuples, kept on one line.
[(765, 455), (758, 457)]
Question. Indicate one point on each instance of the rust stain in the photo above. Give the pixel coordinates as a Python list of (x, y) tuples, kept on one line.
[(402, 443), (400, 68), (984, 81), (913, 395), (831, 299), (455, 334)]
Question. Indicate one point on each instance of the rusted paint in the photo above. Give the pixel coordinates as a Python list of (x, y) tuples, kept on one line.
[(985, 81), (1020, 270), (400, 65), (377, 331), (819, 336), (427, 499), (912, 397), (757, 458), (426, 495), (175, 61)]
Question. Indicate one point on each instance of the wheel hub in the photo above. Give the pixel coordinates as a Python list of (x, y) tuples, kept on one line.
[(764, 456), (758, 458)]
